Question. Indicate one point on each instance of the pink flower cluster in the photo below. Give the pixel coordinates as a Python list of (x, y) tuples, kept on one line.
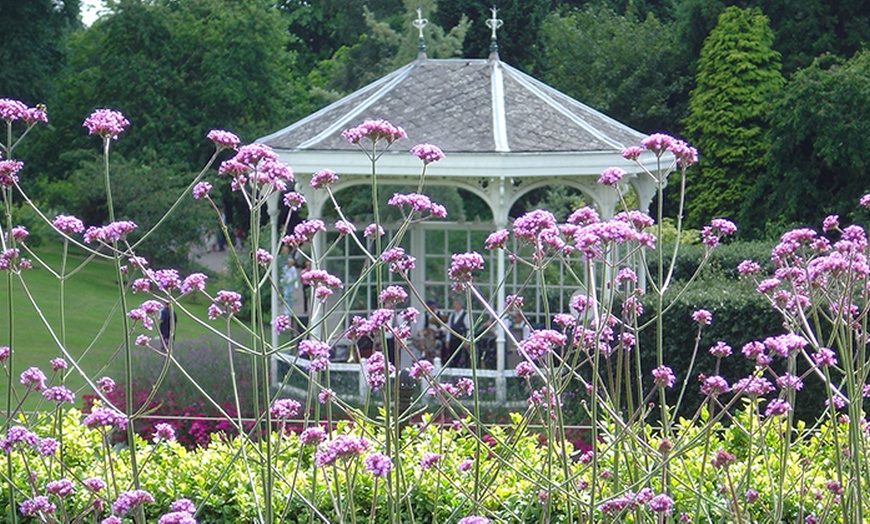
[(284, 408), (303, 232), (223, 139), (224, 301), (378, 464), (11, 110), (374, 130), (541, 342), (106, 122), (317, 352), (428, 153), (128, 500), (718, 228), (341, 447), (107, 234), (377, 370), (323, 282), (259, 164), (419, 203), (323, 179), (201, 190), (461, 266), (68, 224), (9, 172), (100, 417)]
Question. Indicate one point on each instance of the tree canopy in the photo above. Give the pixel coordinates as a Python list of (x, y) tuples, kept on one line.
[(738, 73)]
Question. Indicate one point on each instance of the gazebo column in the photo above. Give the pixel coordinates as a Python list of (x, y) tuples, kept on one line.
[(500, 211)]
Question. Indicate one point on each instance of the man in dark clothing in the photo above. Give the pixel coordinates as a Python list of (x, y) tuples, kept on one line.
[(168, 319)]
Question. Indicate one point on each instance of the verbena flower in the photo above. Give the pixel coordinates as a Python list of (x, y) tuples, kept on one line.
[(752, 386), (373, 229), (294, 200), (322, 179), (661, 503), (94, 484), (378, 464), (374, 130), (428, 153), (421, 368), (377, 370), (106, 385), (497, 239), (723, 459), (284, 408), (101, 417), (714, 385), (777, 407), (341, 447), (128, 500), (663, 377), (106, 122), (193, 282), (317, 352), (59, 394), (474, 519), (9, 172), (201, 190), (223, 139), (61, 488), (702, 316), (392, 295), (282, 323), (611, 175), (164, 432), (34, 378), (177, 517), (38, 505), (429, 459), (11, 110), (462, 264), (720, 350), (344, 227), (312, 436)]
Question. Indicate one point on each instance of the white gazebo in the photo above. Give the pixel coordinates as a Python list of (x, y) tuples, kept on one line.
[(503, 133)]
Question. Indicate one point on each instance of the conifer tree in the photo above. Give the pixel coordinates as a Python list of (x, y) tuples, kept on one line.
[(737, 74)]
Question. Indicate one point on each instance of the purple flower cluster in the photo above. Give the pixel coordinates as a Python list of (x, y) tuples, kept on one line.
[(718, 228), (474, 519), (392, 295), (317, 352), (378, 464), (100, 417), (341, 447), (419, 203), (18, 435), (259, 164), (193, 282), (128, 500), (59, 394), (428, 153), (377, 371), (294, 200), (107, 234), (421, 369), (106, 122), (713, 386), (230, 300), (461, 266), (323, 179), (312, 436), (9, 172), (33, 378), (374, 130), (201, 190), (282, 323), (611, 175), (663, 377), (223, 139), (11, 110), (61, 488), (303, 232), (702, 316), (323, 282), (753, 386), (344, 227), (541, 342), (38, 505), (429, 459), (284, 408)]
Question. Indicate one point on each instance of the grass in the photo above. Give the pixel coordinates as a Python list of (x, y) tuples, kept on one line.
[(93, 333)]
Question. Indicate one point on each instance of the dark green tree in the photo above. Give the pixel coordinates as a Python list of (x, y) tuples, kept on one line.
[(817, 164), (592, 55), (32, 47), (738, 74)]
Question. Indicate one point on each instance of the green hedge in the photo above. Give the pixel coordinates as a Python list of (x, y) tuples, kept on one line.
[(740, 315)]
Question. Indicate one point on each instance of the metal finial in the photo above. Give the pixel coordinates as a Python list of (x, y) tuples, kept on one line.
[(420, 23), (494, 23)]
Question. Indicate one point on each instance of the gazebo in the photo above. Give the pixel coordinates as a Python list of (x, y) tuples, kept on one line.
[(504, 134)]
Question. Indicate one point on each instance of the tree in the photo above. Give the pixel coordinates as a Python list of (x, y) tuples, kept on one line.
[(387, 45), (592, 55), (817, 164), (738, 73), (32, 49)]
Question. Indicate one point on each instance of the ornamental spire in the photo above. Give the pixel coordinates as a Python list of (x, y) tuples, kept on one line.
[(494, 23), (420, 23)]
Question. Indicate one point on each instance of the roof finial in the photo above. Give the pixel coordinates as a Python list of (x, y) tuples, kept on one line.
[(494, 23), (420, 23)]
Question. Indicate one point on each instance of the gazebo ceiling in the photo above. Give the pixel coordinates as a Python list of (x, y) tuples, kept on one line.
[(463, 106)]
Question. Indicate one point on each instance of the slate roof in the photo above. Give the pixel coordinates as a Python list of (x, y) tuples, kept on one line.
[(463, 105)]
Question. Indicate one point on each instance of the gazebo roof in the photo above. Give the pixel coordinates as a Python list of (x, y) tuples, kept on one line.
[(463, 106)]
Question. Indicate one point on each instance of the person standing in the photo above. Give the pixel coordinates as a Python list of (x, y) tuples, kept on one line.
[(458, 325)]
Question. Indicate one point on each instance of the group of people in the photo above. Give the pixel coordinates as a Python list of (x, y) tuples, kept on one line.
[(445, 335)]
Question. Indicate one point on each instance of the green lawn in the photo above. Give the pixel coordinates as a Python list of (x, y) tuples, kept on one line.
[(93, 318)]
